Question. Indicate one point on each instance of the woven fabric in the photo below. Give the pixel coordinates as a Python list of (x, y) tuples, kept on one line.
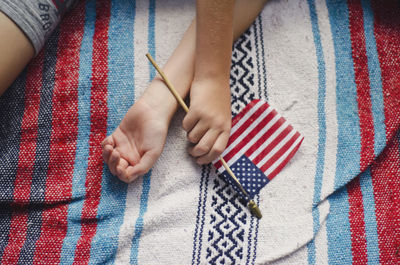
[(329, 67)]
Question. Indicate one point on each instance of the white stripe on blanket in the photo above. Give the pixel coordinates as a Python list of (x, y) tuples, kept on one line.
[(141, 77), (292, 72)]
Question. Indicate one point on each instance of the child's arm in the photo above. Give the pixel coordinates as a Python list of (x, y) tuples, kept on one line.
[(15, 52), (208, 121), (24, 28)]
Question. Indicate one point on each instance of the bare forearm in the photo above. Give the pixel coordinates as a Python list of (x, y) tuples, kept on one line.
[(180, 67), (244, 15), (214, 33), (15, 52)]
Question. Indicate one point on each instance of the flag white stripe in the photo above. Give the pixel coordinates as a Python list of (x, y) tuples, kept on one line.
[(269, 140), (259, 135), (286, 154), (276, 148), (247, 116), (247, 131)]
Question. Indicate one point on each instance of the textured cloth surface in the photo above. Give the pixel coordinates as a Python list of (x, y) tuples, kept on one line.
[(37, 19), (330, 67)]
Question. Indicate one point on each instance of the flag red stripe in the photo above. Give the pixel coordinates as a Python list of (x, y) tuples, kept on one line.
[(284, 162), (98, 131), (243, 127), (249, 121), (63, 139), (280, 152), (361, 74), (267, 135), (272, 145), (26, 161), (250, 135), (243, 112)]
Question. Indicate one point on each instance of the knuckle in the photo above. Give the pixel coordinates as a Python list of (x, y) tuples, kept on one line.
[(192, 138), (202, 149), (219, 122), (218, 150), (222, 123), (185, 124), (156, 154), (227, 127), (201, 113)]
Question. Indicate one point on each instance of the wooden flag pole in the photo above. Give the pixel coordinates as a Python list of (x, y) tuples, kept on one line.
[(252, 205)]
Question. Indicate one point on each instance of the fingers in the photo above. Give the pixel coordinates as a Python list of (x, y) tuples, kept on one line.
[(205, 144), (108, 146), (199, 130), (217, 149), (107, 150), (121, 167), (190, 121), (133, 172), (108, 141), (113, 161)]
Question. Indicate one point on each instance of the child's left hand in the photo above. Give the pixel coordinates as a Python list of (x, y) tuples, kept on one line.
[(208, 121)]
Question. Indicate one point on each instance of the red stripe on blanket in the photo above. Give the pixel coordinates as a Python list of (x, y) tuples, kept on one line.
[(385, 174), (362, 80), (98, 131), (360, 62), (387, 35), (63, 139), (386, 182), (26, 161), (357, 224)]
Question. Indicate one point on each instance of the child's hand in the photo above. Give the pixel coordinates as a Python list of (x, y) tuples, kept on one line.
[(137, 143), (208, 121)]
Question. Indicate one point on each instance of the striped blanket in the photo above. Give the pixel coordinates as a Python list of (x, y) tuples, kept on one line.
[(331, 67)]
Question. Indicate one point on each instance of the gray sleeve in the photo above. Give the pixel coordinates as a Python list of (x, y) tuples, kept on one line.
[(36, 18)]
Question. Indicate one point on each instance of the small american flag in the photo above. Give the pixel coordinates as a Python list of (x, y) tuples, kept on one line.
[(261, 143)]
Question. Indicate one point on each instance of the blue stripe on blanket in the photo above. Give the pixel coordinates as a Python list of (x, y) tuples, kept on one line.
[(321, 125), (348, 149), (139, 221), (82, 146), (338, 228), (11, 112), (379, 133), (375, 79), (38, 185), (151, 42), (120, 98), (371, 231)]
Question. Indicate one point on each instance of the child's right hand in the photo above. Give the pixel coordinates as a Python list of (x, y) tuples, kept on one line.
[(208, 121)]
